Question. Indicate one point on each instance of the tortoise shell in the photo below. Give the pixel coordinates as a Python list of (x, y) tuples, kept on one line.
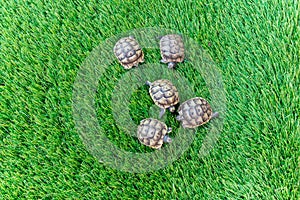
[(128, 52), (164, 94), (153, 133), (172, 49), (195, 112)]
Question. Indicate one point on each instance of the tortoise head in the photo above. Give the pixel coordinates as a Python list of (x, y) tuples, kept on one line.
[(215, 115)]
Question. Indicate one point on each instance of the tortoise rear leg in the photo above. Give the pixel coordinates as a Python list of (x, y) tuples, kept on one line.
[(167, 139), (162, 112), (179, 117), (142, 60), (172, 108)]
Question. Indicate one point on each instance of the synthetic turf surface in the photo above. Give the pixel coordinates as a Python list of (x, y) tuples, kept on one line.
[(256, 46)]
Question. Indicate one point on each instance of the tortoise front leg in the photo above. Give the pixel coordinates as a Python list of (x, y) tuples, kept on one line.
[(171, 65), (163, 61), (148, 83)]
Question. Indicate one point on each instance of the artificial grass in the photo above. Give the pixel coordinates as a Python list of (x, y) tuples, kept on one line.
[(254, 43)]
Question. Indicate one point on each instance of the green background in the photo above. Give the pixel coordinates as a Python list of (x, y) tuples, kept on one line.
[(254, 43)]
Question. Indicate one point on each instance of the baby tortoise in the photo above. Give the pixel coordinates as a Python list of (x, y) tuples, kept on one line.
[(195, 112), (128, 52), (171, 49), (153, 133), (164, 94)]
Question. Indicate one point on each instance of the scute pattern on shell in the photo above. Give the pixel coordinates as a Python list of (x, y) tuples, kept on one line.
[(164, 93), (172, 48), (194, 112), (151, 132), (128, 52)]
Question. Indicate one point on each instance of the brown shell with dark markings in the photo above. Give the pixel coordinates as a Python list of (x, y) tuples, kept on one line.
[(194, 112), (164, 93), (172, 49), (153, 133), (128, 52)]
